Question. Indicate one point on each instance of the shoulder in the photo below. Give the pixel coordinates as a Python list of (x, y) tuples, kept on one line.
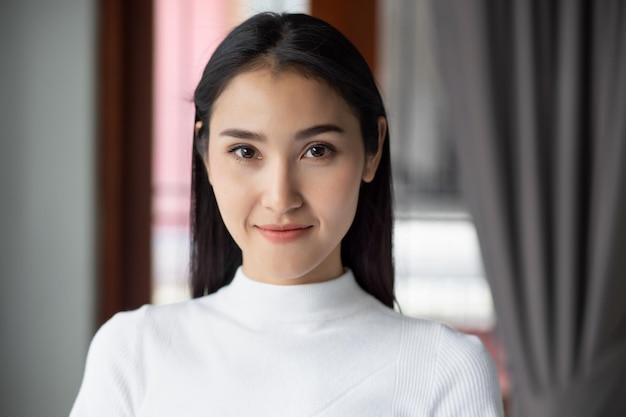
[(466, 377), (463, 358), (445, 344), (109, 382), (462, 379), (120, 356), (127, 329), (434, 345), (126, 337), (118, 337)]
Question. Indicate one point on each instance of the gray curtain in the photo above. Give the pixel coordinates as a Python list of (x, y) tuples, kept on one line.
[(537, 95)]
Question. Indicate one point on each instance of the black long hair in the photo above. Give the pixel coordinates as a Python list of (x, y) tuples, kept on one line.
[(314, 48)]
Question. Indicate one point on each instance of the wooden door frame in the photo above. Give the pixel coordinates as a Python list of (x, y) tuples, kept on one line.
[(357, 20), (124, 155)]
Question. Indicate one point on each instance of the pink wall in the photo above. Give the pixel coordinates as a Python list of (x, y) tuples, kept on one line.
[(186, 34)]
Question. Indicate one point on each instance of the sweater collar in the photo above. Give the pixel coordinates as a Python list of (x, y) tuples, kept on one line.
[(257, 302)]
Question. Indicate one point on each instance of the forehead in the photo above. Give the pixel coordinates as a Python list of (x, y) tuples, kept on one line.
[(265, 93)]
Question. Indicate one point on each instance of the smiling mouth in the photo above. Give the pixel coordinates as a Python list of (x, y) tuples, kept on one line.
[(283, 233)]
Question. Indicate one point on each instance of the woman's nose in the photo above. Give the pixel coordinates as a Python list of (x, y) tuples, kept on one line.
[(280, 191)]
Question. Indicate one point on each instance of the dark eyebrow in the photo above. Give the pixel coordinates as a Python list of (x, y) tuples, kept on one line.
[(242, 134), (318, 130), (303, 134)]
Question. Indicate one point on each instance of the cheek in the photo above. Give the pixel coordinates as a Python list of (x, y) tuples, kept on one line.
[(229, 190), (234, 209), (338, 196)]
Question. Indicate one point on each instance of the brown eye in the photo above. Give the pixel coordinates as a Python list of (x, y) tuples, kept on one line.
[(244, 152), (317, 151)]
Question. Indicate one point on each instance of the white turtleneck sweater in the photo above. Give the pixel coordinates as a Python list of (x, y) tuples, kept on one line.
[(255, 349)]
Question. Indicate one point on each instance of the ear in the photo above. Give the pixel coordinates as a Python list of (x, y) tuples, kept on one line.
[(197, 127), (196, 131), (372, 160)]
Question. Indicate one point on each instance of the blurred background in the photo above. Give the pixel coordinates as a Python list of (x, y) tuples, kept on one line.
[(96, 130), (48, 209)]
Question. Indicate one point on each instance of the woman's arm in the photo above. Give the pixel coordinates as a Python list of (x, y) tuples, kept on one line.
[(466, 379)]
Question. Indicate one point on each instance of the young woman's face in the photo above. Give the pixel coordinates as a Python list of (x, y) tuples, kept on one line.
[(286, 160)]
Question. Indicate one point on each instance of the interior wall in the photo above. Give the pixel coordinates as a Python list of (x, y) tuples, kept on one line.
[(47, 231)]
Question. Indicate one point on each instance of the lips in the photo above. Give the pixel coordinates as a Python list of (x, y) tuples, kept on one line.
[(283, 233)]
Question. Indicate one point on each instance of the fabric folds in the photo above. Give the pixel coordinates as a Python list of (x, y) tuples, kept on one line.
[(537, 93)]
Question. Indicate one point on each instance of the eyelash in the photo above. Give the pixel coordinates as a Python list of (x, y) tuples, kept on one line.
[(329, 152)]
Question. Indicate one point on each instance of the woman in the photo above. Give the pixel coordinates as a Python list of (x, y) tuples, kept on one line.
[(291, 257)]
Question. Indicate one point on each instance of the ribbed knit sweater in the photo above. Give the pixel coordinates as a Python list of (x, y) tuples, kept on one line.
[(256, 349)]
